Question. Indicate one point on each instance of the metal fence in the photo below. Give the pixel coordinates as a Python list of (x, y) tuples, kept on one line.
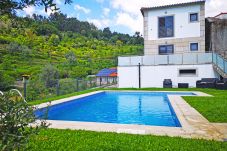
[(38, 91), (220, 60)]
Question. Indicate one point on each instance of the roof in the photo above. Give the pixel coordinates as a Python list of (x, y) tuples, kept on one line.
[(172, 5), (111, 72), (222, 13)]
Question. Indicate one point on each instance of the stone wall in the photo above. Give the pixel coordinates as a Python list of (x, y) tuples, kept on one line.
[(216, 39)]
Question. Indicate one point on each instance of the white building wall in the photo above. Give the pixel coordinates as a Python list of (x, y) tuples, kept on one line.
[(128, 77), (182, 26), (153, 76)]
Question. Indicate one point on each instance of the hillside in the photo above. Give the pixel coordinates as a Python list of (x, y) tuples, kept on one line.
[(75, 48)]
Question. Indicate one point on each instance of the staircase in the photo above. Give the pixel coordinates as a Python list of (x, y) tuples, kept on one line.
[(219, 60)]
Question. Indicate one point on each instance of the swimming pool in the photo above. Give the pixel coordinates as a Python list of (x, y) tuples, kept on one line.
[(142, 108)]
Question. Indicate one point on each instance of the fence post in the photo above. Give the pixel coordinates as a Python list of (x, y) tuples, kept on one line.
[(25, 88), (90, 83), (25, 78), (139, 75), (100, 81), (77, 85), (57, 88)]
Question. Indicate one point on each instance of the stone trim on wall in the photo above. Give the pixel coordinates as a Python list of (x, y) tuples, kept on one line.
[(181, 45)]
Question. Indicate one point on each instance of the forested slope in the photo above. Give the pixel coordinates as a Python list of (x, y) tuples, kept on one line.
[(74, 48)]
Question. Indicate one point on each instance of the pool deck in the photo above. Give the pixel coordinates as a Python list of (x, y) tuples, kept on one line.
[(194, 125)]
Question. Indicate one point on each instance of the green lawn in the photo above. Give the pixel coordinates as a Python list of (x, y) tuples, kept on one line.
[(68, 140), (213, 108)]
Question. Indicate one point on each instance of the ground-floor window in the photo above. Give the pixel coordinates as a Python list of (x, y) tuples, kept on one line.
[(166, 49), (187, 72)]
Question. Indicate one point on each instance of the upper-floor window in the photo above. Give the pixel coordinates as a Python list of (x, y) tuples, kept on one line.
[(194, 46), (194, 17), (166, 49), (165, 26)]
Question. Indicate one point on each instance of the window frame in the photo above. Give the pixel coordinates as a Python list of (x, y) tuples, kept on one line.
[(166, 45), (189, 17), (173, 33), (188, 74), (190, 46)]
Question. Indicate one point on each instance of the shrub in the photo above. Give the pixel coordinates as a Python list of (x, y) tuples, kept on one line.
[(67, 86), (36, 89), (5, 81), (16, 117), (49, 76)]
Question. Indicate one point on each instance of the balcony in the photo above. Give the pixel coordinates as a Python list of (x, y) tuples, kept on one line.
[(175, 59)]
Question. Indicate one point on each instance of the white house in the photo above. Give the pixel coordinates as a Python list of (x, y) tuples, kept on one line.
[(174, 48)]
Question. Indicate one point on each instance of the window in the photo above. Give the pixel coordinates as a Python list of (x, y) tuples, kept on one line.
[(187, 72), (166, 49), (194, 46), (194, 17), (165, 26)]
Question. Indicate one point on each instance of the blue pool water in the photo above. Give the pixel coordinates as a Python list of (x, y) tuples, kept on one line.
[(144, 108)]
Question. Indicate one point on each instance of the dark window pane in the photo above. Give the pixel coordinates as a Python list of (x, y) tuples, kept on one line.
[(162, 49), (169, 49), (166, 26), (194, 17), (194, 46), (166, 49), (187, 72)]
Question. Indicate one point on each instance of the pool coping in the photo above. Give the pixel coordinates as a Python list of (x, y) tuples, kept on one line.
[(194, 125)]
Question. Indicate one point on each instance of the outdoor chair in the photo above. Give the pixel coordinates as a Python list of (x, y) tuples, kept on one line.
[(222, 84), (206, 83), (167, 83)]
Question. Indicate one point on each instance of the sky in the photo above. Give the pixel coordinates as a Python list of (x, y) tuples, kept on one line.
[(123, 16)]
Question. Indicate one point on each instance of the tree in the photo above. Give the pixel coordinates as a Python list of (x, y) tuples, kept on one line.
[(46, 29), (106, 32), (54, 40), (14, 47), (49, 75), (71, 58), (10, 6)]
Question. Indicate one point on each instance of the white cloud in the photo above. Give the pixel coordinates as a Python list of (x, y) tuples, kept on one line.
[(85, 10), (100, 23), (106, 12), (214, 7), (129, 15), (130, 21), (29, 10)]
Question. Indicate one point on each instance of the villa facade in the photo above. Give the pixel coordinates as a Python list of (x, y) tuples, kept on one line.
[(174, 29), (174, 48)]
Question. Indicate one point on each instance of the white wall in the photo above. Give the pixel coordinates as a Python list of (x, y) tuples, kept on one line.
[(153, 76), (182, 27), (128, 77)]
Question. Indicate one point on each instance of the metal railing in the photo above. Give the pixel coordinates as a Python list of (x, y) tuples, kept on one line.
[(220, 60), (175, 59)]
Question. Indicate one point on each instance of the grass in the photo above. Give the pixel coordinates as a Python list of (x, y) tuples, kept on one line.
[(52, 140), (213, 108)]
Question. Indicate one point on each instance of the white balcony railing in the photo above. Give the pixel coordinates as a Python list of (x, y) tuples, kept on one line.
[(175, 59)]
